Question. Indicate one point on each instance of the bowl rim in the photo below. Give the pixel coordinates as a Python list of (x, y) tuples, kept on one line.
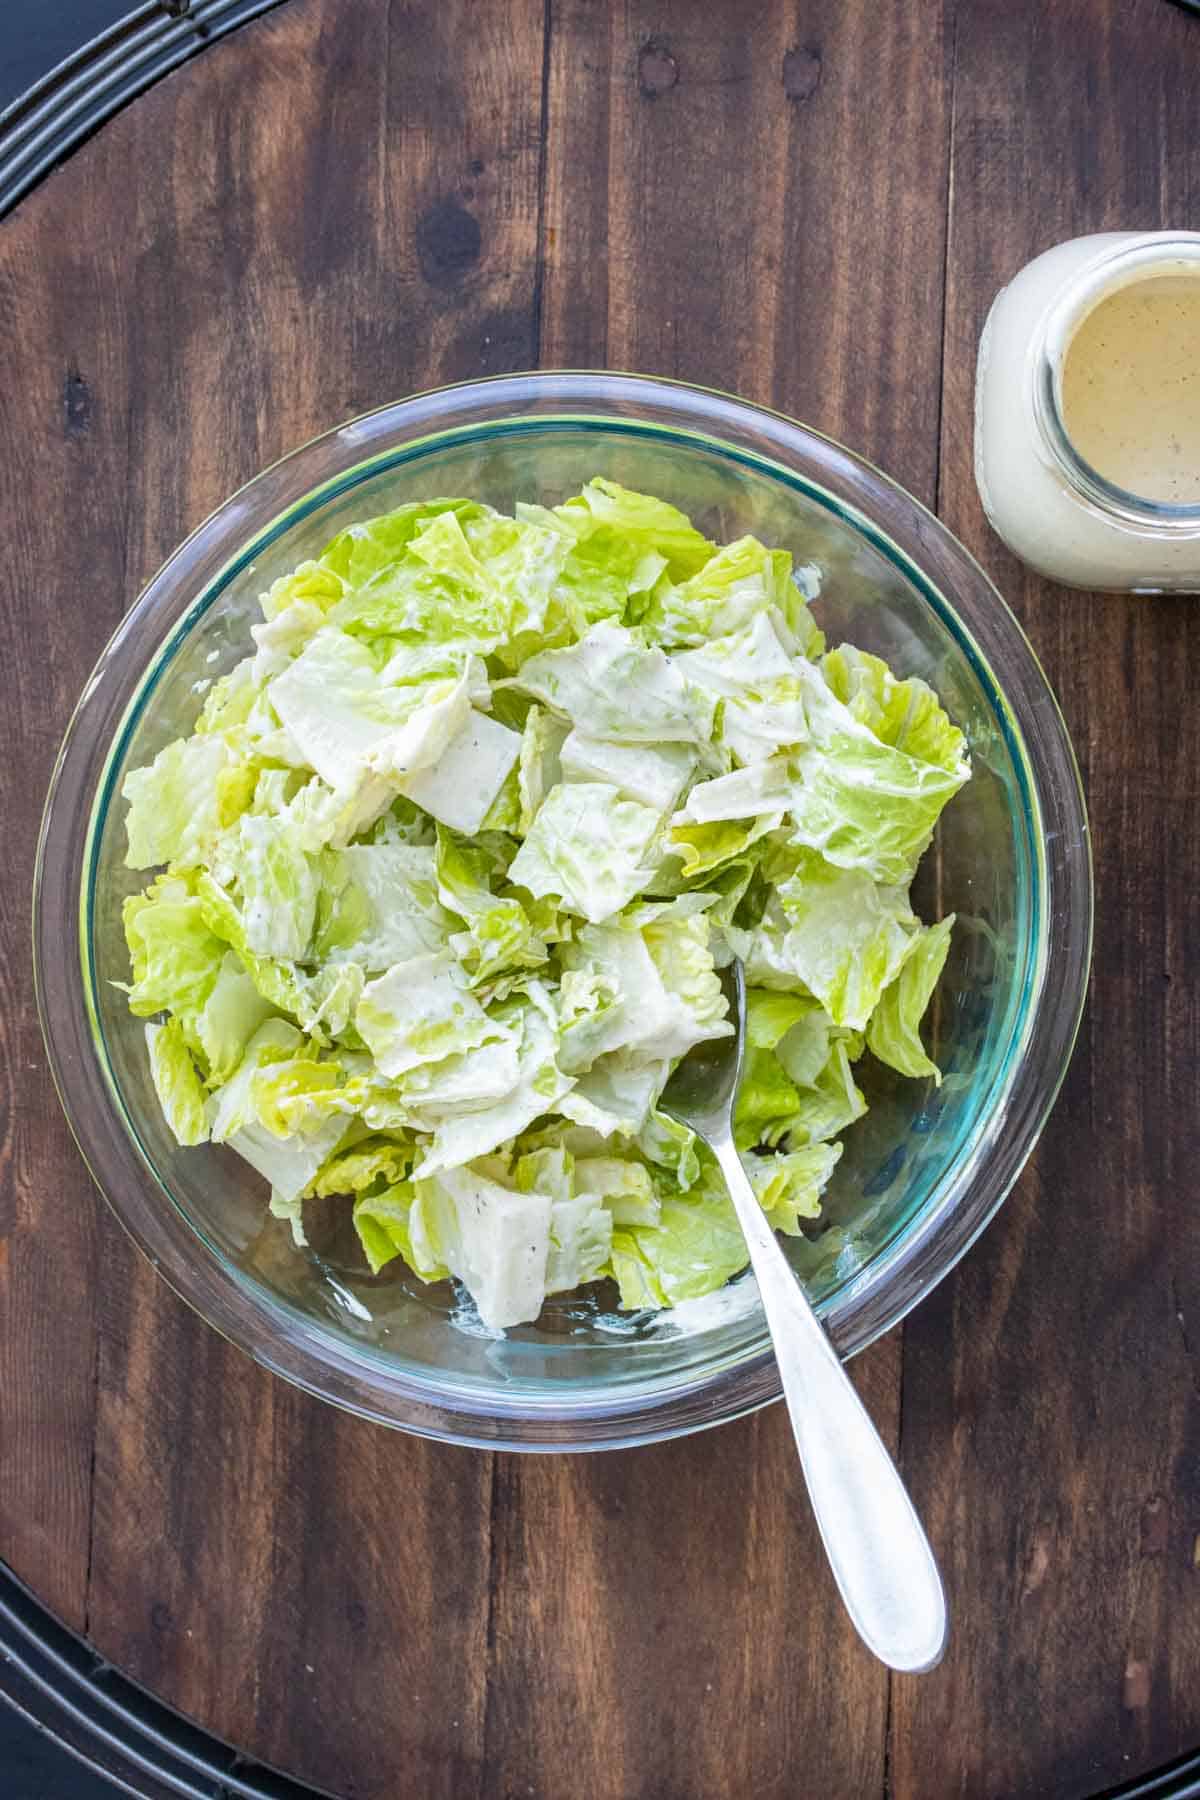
[(980, 1173)]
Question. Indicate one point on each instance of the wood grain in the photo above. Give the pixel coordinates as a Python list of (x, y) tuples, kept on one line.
[(339, 205), (357, 218), (62, 577), (337, 219), (1058, 1464), (707, 171), (716, 152)]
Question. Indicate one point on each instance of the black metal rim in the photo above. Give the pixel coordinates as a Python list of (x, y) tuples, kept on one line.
[(112, 1726), (72, 101), (115, 1728), (47, 1673)]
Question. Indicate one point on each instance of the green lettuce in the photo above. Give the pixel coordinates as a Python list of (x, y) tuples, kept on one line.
[(830, 932), (789, 1186), (382, 1223), (419, 1012), (696, 1246), (612, 685), (180, 804), (588, 848), (905, 714), (176, 1082), (174, 954), (893, 1034), (440, 885)]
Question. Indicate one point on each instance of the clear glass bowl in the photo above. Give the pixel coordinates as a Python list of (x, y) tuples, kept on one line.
[(925, 1170)]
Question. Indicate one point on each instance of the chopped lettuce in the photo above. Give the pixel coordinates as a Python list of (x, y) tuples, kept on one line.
[(223, 1025), (695, 1246), (496, 934), (860, 803), (348, 721), (653, 774), (179, 805), (589, 848), (538, 1087), (381, 1221), (493, 1237), (893, 1034), (368, 1165), (380, 905), (905, 714), (466, 780), (289, 1161), (645, 525), (420, 1011), (178, 1086), (789, 1185), (739, 583), (175, 956), (439, 885), (648, 986), (833, 933), (539, 763), (611, 684)]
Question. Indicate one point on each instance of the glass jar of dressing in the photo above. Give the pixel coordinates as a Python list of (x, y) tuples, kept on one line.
[(1087, 412)]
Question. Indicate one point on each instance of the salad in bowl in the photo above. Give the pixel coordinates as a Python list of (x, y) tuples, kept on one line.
[(439, 884)]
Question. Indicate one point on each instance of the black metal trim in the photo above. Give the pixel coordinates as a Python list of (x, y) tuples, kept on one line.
[(1178, 1781), (87, 88), (149, 1751), (110, 1724)]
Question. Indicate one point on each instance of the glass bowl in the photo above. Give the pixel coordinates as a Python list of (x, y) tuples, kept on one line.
[(922, 1173)]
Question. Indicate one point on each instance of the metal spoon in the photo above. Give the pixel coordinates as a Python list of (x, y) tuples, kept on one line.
[(878, 1551)]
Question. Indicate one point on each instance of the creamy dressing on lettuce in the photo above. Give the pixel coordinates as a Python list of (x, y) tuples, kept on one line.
[(449, 864)]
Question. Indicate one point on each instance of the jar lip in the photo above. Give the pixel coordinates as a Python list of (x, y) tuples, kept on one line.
[(1151, 253)]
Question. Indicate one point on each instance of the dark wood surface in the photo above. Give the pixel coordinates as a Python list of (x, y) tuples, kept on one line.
[(811, 204)]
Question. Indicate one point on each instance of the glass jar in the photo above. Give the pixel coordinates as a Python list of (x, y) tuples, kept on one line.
[(1050, 505)]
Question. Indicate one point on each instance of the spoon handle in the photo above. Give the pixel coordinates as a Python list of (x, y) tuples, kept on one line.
[(880, 1556)]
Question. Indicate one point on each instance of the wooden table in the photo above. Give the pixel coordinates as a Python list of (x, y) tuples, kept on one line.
[(811, 204)]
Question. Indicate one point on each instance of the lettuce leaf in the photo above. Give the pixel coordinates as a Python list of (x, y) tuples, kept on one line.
[(177, 1083), (288, 1162), (860, 803), (460, 787), (179, 804), (645, 524), (175, 956), (419, 1012), (789, 1186), (219, 1029), (622, 1185), (495, 1239), (540, 765), (380, 905), (370, 1164), (655, 775), (651, 988), (612, 685), (893, 1034), (740, 582), (539, 1086), (497, 933), (696, 1246), (905, 714), (382, 1223), (833, 933), (588, 848)]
